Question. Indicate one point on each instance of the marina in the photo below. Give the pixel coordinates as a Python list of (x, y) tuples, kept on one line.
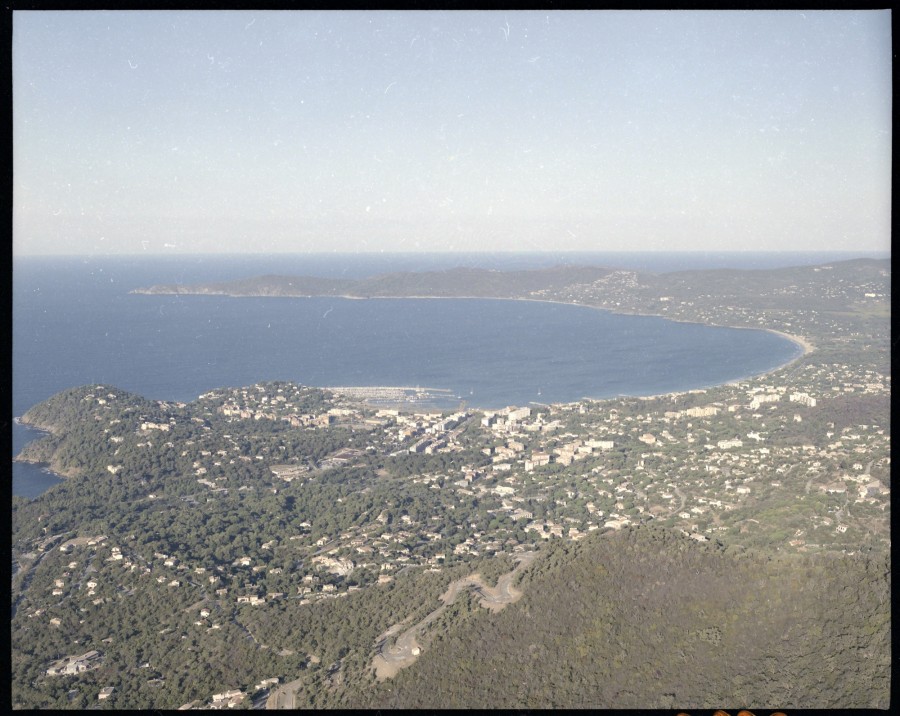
[(393, 394)]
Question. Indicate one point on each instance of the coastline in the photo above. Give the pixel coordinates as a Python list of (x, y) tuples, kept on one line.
[(806, 347), (805, 344), (48, 467)]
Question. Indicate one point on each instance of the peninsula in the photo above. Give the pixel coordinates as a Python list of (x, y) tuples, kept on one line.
[(798, 302)]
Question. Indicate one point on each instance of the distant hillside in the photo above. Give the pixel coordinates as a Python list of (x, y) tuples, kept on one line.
[(270, 285), (807, 287), (834, 286), (457, 282), (646, 618), (477, 282)]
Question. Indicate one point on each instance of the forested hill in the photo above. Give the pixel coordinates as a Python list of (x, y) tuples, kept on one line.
[(73, 405), (648, 617), (279, 531)]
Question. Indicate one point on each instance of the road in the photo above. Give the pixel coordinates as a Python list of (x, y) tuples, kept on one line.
[(681, 499), (388, 660), (28, 568), (809, 482), (283, 696)]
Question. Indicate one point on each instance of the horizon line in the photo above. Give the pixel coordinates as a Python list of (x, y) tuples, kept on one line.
[(862, 253)]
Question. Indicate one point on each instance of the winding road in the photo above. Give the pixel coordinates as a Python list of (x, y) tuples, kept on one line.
[(389, 659)]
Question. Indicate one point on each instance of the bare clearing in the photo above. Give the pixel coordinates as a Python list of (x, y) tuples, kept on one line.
[(388, 660)]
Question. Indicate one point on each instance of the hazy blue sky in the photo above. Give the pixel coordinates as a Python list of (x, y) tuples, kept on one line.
[(400, 131)]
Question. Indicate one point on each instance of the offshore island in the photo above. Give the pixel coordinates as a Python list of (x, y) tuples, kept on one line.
[(287, 546)]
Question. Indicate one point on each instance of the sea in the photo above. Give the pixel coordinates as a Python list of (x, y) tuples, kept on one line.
[(75, 322)]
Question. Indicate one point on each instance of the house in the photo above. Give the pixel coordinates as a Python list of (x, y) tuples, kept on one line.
[(537, 460), (232, 695), (617, 523), (872, 488), (725, 444), (105, 693), (74, 664)]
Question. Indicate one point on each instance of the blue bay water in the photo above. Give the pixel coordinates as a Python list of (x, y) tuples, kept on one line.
[(75, 322)]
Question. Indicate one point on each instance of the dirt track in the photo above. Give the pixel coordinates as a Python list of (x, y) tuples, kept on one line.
[(388, 660)]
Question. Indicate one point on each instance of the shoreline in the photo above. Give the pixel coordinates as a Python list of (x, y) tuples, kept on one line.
[(48, 468), (806, 348), (805, 345)]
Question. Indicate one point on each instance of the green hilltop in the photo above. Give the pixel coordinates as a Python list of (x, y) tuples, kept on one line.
[(647, 618)]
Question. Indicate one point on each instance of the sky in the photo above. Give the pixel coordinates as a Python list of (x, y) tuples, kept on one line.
[(386, 131)]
